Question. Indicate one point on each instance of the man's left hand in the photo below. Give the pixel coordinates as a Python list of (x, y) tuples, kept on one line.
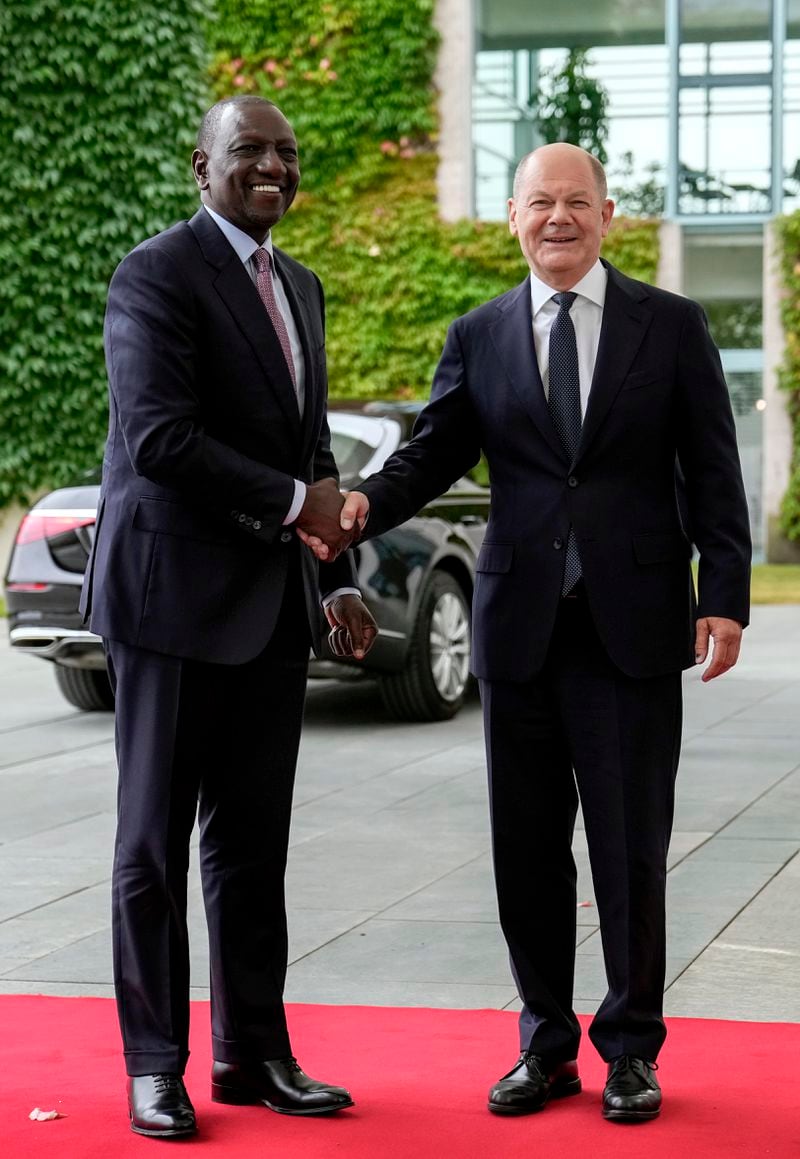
[(353, 628), (727, 637)]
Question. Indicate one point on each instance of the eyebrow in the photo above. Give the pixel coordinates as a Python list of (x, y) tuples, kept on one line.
[(252, 137), (541, 193)]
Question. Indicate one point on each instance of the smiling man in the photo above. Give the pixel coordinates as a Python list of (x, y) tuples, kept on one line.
[(582, 388), (218, 449)]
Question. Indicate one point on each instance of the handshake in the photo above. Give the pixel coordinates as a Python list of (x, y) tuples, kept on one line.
[(330, 522)]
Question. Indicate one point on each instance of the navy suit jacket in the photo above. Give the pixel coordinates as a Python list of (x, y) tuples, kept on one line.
[(205, 440), (658, 395)]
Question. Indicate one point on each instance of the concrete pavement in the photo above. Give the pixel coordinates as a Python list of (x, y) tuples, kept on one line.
[(389, 883)]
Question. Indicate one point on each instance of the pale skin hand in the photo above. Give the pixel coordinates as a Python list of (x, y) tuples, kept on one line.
[(354, 512), (727, 637)]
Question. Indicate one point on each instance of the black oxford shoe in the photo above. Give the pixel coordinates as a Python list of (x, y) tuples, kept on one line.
[(632, 1093), (528, 1086), (279, 1084), (159, 1106)]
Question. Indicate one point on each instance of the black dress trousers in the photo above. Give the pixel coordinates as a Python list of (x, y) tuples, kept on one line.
[(582, 730), (218, 742)]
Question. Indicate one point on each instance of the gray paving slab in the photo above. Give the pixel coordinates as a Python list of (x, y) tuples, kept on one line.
[(389, 884)]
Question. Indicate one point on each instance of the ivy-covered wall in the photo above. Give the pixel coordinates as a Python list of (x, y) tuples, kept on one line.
[(789, 233), (99, 102)]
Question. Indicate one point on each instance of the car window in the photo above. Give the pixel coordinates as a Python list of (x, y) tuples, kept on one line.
[(351, 454)]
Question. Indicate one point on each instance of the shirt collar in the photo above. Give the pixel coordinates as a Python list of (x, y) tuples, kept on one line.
[(244, 245), (592, 286)]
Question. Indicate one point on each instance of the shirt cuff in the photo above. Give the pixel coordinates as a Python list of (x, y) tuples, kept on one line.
[(340, 592), (297, 502)]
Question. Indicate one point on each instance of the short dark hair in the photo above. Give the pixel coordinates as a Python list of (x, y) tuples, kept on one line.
[(598, 172), (209, 126)]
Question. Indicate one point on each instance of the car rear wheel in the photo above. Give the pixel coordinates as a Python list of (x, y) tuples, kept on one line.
[(86, 688), (435, 681)]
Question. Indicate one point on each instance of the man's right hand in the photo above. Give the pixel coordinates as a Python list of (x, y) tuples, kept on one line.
[(352, 517), (318, 523)]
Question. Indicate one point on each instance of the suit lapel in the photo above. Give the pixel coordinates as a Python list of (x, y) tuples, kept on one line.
[(512, 335), (240, 296), (625, 322)]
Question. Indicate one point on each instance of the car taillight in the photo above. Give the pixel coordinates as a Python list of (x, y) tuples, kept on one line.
[(28, 587), (46, 524)]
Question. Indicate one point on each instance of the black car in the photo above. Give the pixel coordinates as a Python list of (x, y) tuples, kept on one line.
[(417, 581)]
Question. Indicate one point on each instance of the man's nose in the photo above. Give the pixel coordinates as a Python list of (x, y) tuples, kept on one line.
[(560, 213), (270, 161)]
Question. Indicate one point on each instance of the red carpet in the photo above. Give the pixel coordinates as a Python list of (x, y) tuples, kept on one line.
[(419, 1078)]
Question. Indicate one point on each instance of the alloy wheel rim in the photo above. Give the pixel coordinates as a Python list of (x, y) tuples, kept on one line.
[(449, 646)]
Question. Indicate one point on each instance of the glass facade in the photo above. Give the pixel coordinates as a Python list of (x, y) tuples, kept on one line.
[(702, 100)]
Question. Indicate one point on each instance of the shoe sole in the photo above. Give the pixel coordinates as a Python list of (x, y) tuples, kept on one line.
[(630, 1116), (573, 1087), (173, 1133), (234, 1098)]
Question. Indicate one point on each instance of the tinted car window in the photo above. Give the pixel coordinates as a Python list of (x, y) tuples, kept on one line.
[(350, 454)]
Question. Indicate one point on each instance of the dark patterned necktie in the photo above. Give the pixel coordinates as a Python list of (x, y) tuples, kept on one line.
[(564, 400), (267, 294)]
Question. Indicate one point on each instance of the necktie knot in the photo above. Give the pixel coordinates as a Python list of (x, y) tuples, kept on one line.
[(565, 299), (262, 261)]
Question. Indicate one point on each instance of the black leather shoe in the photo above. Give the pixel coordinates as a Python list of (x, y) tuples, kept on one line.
[(531, 1083), (279, 1084), (159, 1106), (632, 1093)]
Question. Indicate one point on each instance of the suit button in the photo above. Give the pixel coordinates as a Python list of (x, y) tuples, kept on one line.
[(558, 543), (256, 525), (249, 520), (286, 537), (572, 481), (242, 517), (234, 514)]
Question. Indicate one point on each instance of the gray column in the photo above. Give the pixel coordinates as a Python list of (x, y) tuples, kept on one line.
[(455, 22), (669, 275)]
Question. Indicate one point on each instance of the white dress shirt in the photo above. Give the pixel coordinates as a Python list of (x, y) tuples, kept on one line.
[(587, 316)]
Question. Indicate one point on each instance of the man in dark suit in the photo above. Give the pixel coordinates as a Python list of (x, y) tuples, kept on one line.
[(585, 390), (218, 449)]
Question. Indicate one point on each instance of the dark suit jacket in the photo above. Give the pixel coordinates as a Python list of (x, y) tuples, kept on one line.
[(205, 440), (658, 392)]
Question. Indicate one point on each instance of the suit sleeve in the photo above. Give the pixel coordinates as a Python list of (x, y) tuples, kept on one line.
[(714, 491), (445, 445), (151, 352)]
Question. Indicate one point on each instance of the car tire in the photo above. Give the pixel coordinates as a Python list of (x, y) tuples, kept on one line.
[(86, 688), (435, 681)]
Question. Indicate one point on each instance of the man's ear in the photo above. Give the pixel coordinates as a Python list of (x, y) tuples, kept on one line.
[(512, 217), (200, 168)]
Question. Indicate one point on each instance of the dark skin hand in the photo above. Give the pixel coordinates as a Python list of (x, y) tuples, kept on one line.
[(353, 629), (319, 517)]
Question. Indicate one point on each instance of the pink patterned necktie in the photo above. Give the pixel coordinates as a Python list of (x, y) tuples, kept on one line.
[(267, 295)]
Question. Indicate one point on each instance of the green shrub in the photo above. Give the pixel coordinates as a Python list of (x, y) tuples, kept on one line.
[(789, 234), (98, 104)]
